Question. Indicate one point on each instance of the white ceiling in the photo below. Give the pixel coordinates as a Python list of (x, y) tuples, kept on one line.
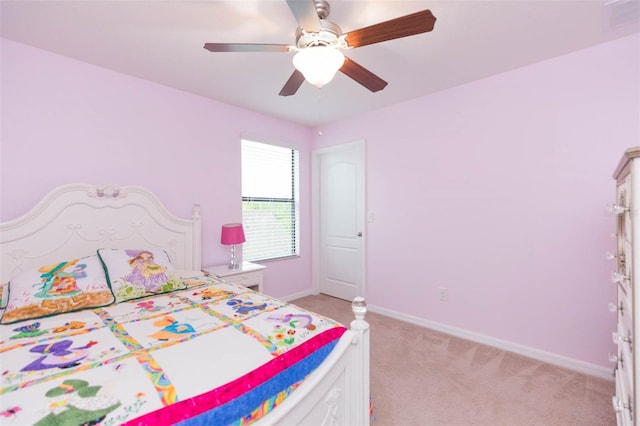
[(161, 41)]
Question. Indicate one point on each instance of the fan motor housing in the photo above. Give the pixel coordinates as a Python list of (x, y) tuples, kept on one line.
[(329, 35)]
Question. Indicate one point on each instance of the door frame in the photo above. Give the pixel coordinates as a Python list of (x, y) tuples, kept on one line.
[(316, 248)]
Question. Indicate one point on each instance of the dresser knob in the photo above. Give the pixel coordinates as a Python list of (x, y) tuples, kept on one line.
[(617, 209), (617, 338), (613, 307), (617, 277), (613, 357), (619, 256), (618, 405)]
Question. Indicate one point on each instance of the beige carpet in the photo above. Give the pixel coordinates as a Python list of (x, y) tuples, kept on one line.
[(424, 377)]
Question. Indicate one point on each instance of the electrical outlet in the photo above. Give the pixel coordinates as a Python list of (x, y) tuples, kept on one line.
[(444, 294)]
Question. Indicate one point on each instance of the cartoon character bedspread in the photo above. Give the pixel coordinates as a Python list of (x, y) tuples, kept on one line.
[(215, 354)]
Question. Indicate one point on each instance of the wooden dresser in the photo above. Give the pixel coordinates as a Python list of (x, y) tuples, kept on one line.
[(625, 276)]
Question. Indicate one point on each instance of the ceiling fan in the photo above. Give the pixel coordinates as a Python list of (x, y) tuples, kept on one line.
[(319, 45)]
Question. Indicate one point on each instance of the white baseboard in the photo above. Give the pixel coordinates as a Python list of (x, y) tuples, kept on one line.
[(294, 296), (548, 357)]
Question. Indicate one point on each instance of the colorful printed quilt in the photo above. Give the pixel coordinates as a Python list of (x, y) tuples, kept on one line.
[(215, 353)]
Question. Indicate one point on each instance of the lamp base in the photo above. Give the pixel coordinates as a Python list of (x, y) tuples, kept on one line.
[(233, 264)]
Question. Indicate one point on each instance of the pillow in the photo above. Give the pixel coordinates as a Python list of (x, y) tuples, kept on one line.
[(134, 273), (58, 288)]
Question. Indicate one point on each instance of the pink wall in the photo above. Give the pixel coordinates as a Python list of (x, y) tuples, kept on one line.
[(65, 121), (504, 183), (504, 180)]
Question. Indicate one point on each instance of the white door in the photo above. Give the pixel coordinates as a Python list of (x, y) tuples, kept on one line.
[(339, 210)]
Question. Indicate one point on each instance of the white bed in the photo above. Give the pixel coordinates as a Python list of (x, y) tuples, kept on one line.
[(75, 220)]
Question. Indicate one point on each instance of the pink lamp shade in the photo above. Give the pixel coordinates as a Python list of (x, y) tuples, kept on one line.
[(232, 233)]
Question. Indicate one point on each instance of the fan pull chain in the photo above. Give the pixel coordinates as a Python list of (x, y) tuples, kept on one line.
[(319, 110)]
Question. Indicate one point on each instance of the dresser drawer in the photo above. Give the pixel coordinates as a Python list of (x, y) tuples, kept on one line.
[(624, 227), (625, 311), (625, 369), (623, 337), (622, 403)]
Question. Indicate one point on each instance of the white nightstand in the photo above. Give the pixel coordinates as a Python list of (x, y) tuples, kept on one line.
[(248, 274)]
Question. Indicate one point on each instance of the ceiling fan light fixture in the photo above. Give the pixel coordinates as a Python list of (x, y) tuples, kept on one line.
[(318, 64)]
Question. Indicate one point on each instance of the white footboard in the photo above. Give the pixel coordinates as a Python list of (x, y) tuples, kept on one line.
[(337, 392)]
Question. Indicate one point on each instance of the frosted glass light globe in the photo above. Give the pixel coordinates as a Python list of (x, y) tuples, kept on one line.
[(318, 64)]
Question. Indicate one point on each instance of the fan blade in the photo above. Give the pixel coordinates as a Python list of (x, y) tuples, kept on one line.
[(415, 23), (247, 47), (362, 75), (293, 84), (305, 13)]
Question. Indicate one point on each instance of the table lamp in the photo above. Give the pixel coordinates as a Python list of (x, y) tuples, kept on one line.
[(232, 234)]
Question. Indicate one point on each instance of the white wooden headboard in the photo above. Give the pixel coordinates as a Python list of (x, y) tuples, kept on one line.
[(75, 220)]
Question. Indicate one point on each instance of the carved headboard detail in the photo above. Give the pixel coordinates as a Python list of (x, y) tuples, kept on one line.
[(75, 220)]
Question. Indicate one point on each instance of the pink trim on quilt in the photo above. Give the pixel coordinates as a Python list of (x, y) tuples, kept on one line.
[(183, 410)]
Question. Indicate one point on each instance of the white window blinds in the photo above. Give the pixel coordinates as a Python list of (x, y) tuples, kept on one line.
[(269, 207)]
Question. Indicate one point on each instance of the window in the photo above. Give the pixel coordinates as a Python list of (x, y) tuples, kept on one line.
[(269, 201)]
